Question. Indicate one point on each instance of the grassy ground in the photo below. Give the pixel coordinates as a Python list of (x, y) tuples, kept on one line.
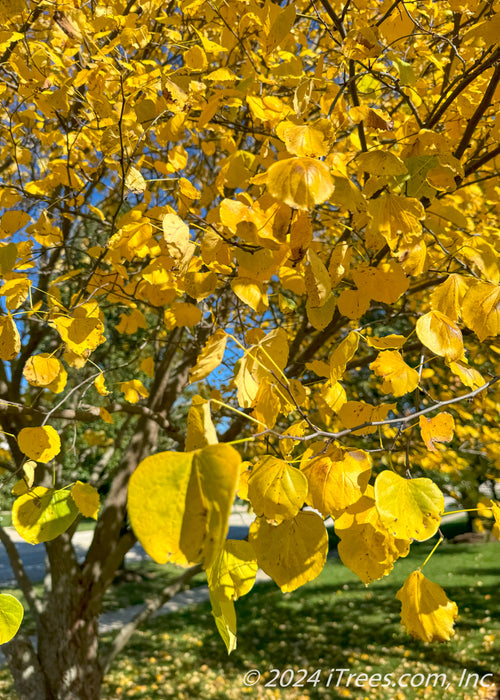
[(333, 622)]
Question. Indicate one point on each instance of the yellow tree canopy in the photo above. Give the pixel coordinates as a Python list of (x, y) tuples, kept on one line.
[(288, 211)]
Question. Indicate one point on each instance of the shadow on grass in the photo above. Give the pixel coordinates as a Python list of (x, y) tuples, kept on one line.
[(333, 622)]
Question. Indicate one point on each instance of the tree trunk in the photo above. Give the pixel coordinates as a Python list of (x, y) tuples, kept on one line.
[(66, 665)]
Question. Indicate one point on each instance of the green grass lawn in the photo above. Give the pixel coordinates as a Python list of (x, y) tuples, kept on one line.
[(333, 622)]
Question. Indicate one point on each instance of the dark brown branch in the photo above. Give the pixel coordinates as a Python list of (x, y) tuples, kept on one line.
[(481, 109), (438, 112)]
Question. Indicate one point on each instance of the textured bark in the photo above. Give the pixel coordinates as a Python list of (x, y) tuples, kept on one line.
[(29, 678)]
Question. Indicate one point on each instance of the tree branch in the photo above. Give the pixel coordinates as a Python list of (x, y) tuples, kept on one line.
[(373, 424), (481, 109)]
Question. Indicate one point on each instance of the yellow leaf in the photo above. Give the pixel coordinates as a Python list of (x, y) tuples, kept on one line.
[(343, 354), (41, 370), (320, 316), (331, 399), (29, 472), (251, 292), (441, 335), (266, 405), (20, 487), (11, 616), (42, 514), (448, 296), (83, 331), (387, 342), (437, 429), (225, 619), (129, 324), (337, 480), (385, 283), (303, 140), (302, 183), (276, 489), (200, 428), (148, 366), (200, 285), (41, 444), (134, 181), (426, 612), (210, 357), (468, 375), (393, 215), (86, 498), (293, 552), (10, 341), (280, 27), (495, 509), (366, 547), (106, 416), (59, 383), (195, 58), (399, 378), (408, 508), (233, 572), (353, 303), (15, 292), (354, 413), (481, 310), (100, 385), (317, 280), (179, 503), (185, 314), (134, 390), (269, 355), (177, 238), (380, 163), (242, 490)]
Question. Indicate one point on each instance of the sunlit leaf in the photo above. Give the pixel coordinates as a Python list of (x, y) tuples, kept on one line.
[(41, 370), (210, 357), (426, 612), (86, 498), (399, 378), (276, 490), (10, 341), (293, 552), (440, 428), (408, 508), (40, 444), (134, 390), (441, 335), (481, 310), (337, 480), (179, 503), (43, 514), (233, 572), (225, 619), (11, 616), (302, 183)]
